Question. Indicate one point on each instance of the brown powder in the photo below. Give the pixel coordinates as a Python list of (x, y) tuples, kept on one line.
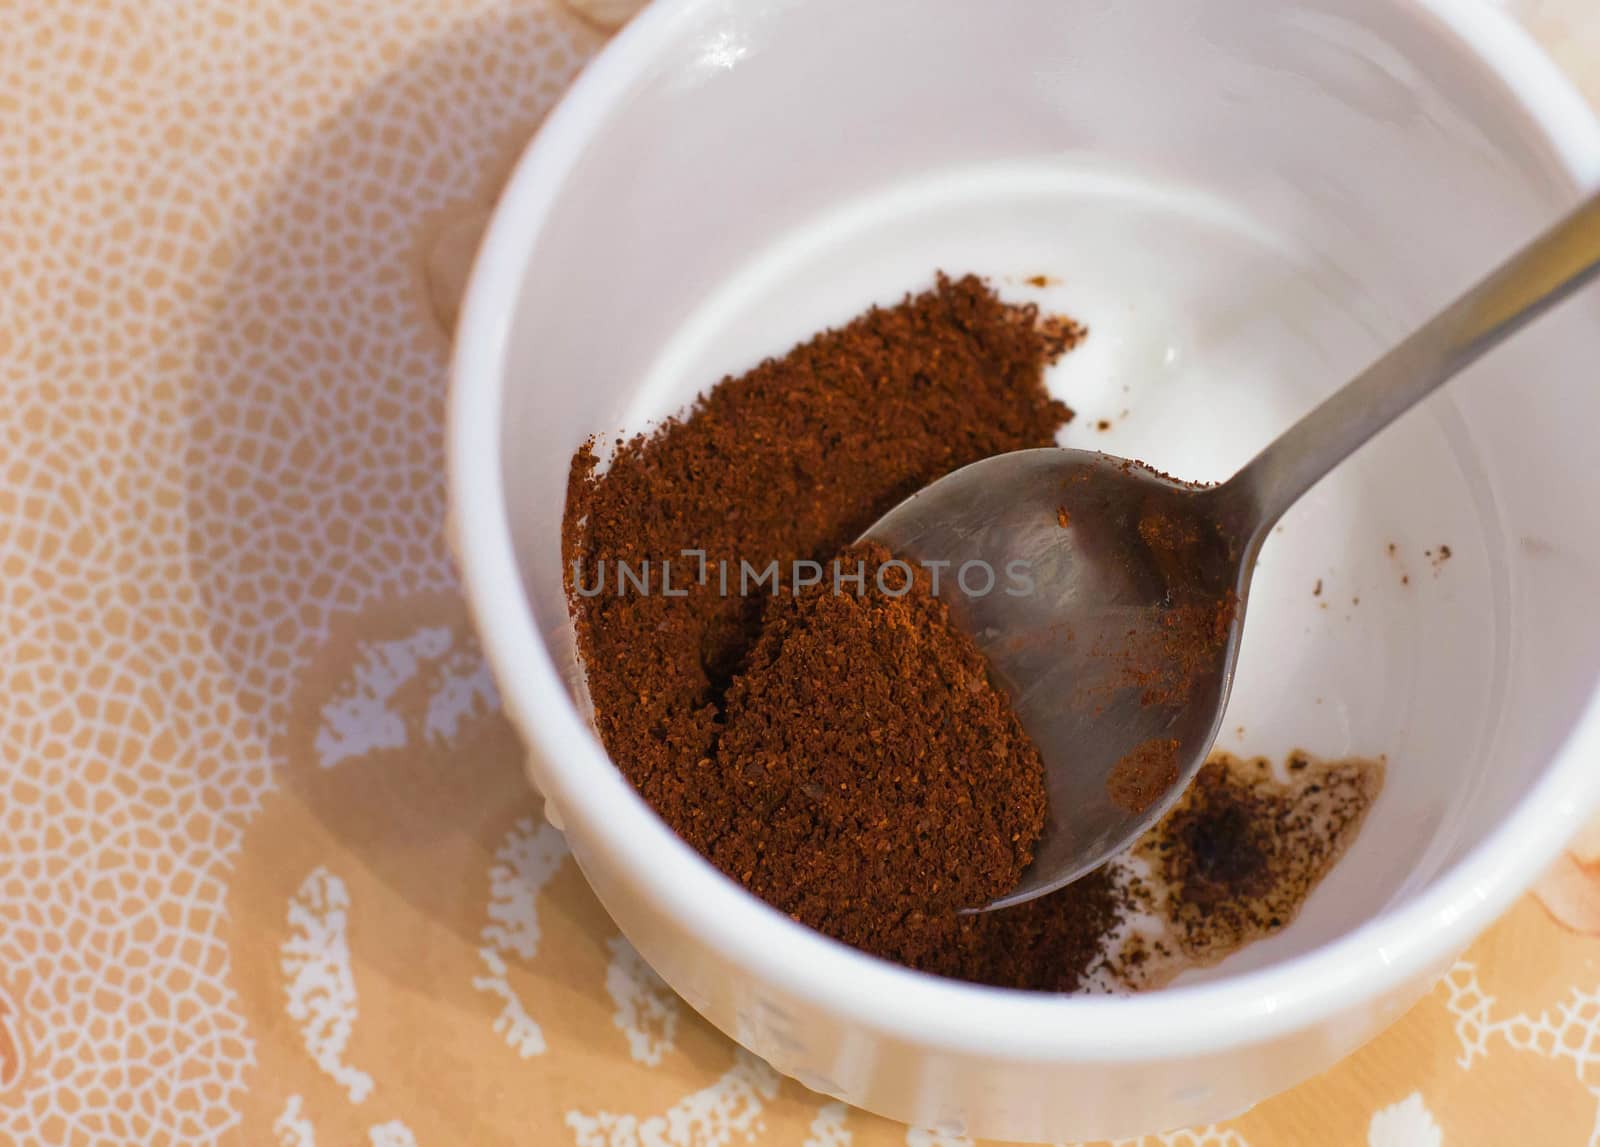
[(1186, 646), (1054, 944), (867, 772), (788, 462), (1167, 662), (1142, 776)]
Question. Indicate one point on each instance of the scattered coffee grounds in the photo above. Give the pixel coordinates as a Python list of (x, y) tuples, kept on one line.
[(868, 768), (1140, 778), (1167, 663), (845, 755), (1239, 853), (1192, 637), (1056, 943)]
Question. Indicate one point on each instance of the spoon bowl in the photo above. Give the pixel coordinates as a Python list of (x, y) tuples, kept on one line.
[(1108, 600)]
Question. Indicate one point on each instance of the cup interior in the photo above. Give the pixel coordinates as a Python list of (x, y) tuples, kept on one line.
[(1245, 202)]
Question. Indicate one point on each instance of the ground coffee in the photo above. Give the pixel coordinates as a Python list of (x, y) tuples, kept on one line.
[(1144, 774), (844, 756), (867, 773)]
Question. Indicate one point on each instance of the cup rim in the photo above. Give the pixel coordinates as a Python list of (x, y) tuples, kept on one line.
[(602, 807)]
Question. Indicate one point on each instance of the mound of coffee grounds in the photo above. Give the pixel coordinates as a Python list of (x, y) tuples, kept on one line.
[(788, 462), (870, 769)]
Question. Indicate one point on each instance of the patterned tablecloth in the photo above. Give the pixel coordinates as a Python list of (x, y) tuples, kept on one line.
[(269, 872)]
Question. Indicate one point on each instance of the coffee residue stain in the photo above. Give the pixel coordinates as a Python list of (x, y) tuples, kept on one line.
[(1236, 857)]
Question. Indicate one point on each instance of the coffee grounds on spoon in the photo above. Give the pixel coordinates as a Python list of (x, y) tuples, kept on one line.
[(868, 775)]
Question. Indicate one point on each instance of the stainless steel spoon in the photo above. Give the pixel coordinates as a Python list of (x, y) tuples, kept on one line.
[(1119, 660)]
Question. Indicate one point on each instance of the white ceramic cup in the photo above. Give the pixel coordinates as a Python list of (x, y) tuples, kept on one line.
[(1245, 199)]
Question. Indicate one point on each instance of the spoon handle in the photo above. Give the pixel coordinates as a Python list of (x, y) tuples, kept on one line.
[(1549, 269)]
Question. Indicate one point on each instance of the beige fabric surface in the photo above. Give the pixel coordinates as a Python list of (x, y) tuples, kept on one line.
[(268, 869)]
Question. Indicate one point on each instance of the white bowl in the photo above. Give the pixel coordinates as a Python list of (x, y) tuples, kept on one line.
[(1245, 200)]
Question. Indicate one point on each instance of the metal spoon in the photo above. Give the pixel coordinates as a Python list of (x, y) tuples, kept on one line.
[(1119, 660)]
